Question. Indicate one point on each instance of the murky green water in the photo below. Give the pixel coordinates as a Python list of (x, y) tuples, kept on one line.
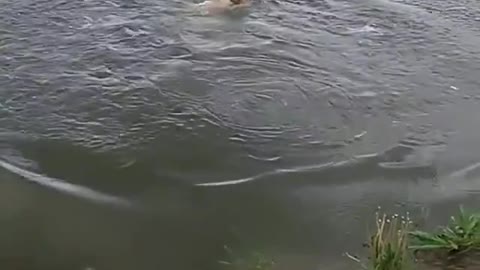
[(137, 135)]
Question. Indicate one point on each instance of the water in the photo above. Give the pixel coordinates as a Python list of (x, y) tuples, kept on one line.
[(139, 135)]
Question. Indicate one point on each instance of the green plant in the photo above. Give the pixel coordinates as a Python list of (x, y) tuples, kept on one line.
[(249, 261), (460, 235), (389, 244)]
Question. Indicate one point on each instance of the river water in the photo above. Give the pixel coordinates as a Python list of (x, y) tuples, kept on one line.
[(137, 134)]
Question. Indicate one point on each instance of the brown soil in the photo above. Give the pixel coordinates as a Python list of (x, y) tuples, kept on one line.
[(444, 260)]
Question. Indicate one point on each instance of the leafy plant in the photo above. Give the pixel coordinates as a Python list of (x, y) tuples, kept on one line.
[(460, 235)]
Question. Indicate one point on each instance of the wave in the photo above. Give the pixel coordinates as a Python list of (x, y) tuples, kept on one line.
[(67, 188)]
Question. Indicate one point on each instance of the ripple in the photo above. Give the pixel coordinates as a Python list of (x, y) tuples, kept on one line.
[(292, 82), (67, 188), (339, 171)]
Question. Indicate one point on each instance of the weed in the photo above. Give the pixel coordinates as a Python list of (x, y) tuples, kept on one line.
[(250, 261), (389, 244), (460, 235)]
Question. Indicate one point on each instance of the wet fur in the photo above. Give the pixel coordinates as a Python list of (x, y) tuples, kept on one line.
[(222, 6)]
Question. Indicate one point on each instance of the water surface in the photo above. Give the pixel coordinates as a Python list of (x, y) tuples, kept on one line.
[(140, 135)]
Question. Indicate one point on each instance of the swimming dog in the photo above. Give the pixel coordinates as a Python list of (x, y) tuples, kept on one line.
[(213, 7)]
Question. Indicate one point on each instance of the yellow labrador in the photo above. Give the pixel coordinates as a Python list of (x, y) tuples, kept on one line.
[(213, 7)]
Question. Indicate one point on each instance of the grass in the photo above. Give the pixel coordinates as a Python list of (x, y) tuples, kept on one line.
[(462, 234), (250, 261), (389, 244), (393, 243)]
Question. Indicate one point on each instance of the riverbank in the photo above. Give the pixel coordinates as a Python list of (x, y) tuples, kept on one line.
[(398, 243)]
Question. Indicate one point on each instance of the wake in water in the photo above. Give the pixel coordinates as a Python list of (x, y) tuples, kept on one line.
[(394, 162), (67, 188)]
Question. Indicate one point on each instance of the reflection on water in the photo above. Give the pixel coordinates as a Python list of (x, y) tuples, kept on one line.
[(140, 135)]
